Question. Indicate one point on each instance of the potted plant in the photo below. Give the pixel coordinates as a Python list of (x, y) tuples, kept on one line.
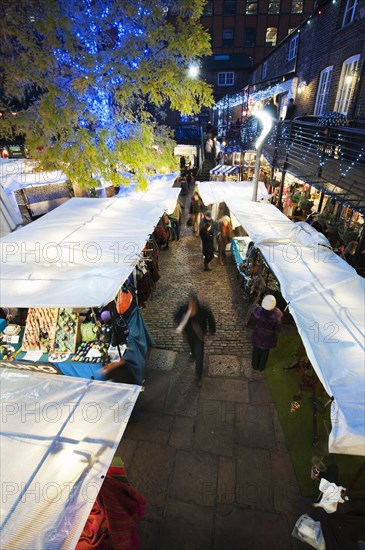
[(295, 198), (332, 224), (348, 234), (305, 204)]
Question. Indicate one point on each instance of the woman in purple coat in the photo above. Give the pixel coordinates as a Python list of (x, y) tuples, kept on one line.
[(264, 336)]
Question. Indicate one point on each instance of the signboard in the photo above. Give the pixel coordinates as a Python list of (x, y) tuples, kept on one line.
[(45, 368)]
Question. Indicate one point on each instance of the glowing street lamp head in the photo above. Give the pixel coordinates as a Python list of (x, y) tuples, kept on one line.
[(266, 120), (193, 70)]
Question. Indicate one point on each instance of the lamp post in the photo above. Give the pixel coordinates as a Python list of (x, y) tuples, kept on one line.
[(266, 120)]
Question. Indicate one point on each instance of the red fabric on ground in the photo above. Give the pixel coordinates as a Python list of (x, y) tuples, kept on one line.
[(113, 519)]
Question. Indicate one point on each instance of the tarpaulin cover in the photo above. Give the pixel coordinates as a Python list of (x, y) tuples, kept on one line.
[(59, 435), (326, 298), (214, 191), (79, 254)]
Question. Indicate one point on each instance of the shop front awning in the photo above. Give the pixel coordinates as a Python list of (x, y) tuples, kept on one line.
[(80, 254), (323, 293), (225, 170)]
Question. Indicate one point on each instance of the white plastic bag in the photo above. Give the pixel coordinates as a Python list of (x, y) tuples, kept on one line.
[(309, 531)]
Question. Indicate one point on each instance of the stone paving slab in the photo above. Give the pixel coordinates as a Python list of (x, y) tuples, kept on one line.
[(161, 359), (186, 526), (225, 390), (287, 497), (226, 492), (224, 365), (259, 391), (254, 426), (181, 434), (214, 428), (194, 478), (149, 474), (239, 529), (183, 394), (254, 483), (149, 532), (154, 395), (151, 426), (126, 450)]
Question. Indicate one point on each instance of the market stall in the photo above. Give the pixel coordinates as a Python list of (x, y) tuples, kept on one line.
[(77, 265), (30, 191), (326, 299), (61, 434)]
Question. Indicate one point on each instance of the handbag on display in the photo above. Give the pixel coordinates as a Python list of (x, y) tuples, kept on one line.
[(89, 332), (120, 331)]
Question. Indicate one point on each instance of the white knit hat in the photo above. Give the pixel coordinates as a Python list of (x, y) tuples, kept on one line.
[(269, 302)]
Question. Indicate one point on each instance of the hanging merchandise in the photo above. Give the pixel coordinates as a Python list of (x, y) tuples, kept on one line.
[(124, 301)]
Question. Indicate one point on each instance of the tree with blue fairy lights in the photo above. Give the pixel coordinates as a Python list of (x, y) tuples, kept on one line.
[(86, 78)]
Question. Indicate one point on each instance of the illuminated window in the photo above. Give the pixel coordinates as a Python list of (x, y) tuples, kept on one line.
[(227, 37), (347, 84), (349, 13), (251, 7), (208, 8), (293, 47), (225, 79), (323, 91), (229, 7), (250, 38), (274, 7), (271, 36), (297, 6)]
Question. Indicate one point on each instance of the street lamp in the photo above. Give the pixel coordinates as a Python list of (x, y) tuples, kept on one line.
[(266, 120), (193, 70)]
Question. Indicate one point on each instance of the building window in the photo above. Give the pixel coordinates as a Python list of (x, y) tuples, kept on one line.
[(249, 40), (227, 37), (264, 70), (347, 84), (297, 6), (293, 47), (208, 8), (271, 36), (274, 7), (323, 91), (349, 13), (225, 79), (251, 7), (229, 7)]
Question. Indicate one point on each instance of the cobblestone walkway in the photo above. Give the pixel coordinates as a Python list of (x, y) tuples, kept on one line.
[(182, 272), (212, 461)]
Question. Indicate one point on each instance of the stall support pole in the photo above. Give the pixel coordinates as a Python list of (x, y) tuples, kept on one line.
[(257, 171), (281, 190)]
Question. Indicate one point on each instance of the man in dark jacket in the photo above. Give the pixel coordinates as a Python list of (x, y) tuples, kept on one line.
[(195, 321), (207, 237), (264, 336)]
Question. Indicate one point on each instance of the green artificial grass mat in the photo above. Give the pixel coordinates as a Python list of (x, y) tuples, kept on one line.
[(298, 426)]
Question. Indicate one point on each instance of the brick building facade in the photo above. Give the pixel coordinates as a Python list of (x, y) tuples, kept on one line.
[(323, 59)]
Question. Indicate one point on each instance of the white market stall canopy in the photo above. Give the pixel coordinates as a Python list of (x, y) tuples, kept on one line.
[(79, 254), (326, 298), (59, 435)]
